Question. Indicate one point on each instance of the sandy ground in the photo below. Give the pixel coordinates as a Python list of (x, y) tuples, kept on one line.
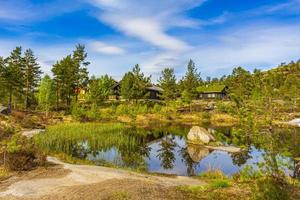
[(93, 182)]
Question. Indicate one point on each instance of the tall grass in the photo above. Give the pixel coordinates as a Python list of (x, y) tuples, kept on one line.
[(64, 137)]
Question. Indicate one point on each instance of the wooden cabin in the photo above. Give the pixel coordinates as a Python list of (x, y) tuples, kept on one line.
[(115, 91), (213, 91), (154, 92)]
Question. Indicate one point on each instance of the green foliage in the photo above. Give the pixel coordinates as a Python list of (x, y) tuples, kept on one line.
[(13, 145), (70, 75), (219, 184), (13, 75), (190, 82), (93, 113), (32, 76), (248, 174), (22, 154), (46, 94), (133, 84), (186, 97), (213, 174), (100, 89), (270, 189), (167, 82), (77, 111)]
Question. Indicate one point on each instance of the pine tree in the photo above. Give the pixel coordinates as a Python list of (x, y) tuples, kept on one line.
[(13, 74), (191, 81), (70, 75), (79, 58), (32, 75), (167, 82), (133, 84)]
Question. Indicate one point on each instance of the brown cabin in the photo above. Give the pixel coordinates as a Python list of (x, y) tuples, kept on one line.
[(213, 92), (153, 92)]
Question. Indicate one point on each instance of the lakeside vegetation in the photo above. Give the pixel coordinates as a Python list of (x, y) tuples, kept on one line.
[(256, 104)]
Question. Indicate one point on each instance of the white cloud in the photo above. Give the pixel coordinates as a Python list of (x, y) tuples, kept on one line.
[(104, 48), (149, 20), (261, 46), (25, 10)]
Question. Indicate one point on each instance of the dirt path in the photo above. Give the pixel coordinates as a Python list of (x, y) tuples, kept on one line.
[(81, 176)]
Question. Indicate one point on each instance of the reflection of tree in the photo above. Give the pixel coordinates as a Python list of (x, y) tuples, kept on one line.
[(241, 158), (166, 152), (190, 164), (79, 150), (134, 156)]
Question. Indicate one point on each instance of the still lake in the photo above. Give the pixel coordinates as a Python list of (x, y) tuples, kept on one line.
[(164, 149)]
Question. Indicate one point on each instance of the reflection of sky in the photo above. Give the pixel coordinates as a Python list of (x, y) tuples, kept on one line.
[(214, 160), (112, 155)]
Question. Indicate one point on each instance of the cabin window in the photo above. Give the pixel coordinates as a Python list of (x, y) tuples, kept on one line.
[(211, 95)]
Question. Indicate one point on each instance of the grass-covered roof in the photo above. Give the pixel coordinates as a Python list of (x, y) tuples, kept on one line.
[(214, 88)]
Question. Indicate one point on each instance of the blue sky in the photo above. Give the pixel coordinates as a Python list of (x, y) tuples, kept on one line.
[(217, 34)]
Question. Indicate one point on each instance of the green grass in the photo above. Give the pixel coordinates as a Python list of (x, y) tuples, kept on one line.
[(68, 138), (221, 183), (213, 174)]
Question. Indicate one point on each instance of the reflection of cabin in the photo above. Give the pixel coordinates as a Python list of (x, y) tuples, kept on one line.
[(212, 92), (153, 92)]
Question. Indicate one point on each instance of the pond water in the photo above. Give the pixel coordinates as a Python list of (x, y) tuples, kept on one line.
[(164, 149)]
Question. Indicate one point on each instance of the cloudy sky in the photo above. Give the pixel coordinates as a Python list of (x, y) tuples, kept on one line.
[(217, 34)]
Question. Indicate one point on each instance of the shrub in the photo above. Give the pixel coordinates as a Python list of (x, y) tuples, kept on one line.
[(93, 113), (21, 154), (270, 189), (156, 108), (213, 174), (222, 183), (77, 111), (247, 174)]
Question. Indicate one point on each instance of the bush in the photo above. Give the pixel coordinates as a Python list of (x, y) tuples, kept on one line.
[(247, 174), (222, 183), (213, 174), (156, 108), (22, 154), (77, 111), (270, 189), (93, 113)]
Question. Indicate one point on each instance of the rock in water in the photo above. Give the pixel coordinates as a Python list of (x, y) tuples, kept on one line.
[(199, 135), (295, 122), (197, 152)]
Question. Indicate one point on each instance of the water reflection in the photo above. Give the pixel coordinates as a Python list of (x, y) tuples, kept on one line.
[(166, 151)]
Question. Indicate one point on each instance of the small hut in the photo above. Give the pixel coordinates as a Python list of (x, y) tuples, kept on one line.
[(4, 110), (213, 91), (154, 92)]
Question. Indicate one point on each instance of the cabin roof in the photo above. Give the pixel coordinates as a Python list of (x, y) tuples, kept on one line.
[(215, 88), (155, 88), (3, 109)]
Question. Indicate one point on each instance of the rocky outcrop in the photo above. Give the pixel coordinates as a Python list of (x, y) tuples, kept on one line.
[(294, 122), (199, 135), (32, 133)]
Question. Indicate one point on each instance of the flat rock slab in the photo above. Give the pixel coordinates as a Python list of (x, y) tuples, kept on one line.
[(229, 149), (294, 122), (84, 175), (32, 133)]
